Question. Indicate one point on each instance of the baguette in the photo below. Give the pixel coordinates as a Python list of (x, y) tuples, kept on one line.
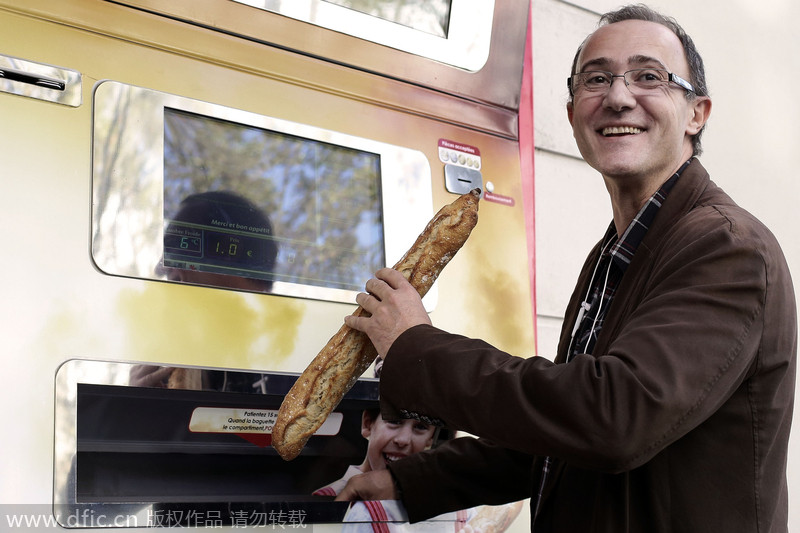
[(349, 353)]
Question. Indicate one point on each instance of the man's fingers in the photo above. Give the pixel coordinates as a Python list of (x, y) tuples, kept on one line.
[(378, 287), (385, 281), (361, 299), (347, 495), (356, 322), (391, 277), (374, 485)]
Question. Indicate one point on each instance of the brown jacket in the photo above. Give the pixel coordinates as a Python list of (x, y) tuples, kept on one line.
[(678, 422)]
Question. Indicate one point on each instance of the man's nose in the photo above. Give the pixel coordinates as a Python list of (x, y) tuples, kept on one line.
[(619, 95)]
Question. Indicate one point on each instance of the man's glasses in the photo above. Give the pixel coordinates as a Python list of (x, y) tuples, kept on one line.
[(638, 81)]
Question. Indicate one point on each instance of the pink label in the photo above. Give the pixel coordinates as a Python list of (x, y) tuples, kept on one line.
[(459, 147), (498, 199)]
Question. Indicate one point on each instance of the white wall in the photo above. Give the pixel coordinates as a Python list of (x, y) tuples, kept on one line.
[(752, 142)]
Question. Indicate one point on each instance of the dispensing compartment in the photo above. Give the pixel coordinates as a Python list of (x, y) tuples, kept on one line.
[(157, 445)]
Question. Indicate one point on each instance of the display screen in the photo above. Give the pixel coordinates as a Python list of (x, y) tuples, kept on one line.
[(267, 206), (430, 16)]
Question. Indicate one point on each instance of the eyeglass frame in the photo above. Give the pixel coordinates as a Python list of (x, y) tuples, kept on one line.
[(674, 78)]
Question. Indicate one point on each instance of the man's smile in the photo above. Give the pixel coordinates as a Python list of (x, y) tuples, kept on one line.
[(621, 130)]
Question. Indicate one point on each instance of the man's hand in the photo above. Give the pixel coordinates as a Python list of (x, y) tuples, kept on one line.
[(373, 485), (395, 306)]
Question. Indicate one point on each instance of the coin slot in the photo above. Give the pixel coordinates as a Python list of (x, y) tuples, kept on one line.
[(32, 79)]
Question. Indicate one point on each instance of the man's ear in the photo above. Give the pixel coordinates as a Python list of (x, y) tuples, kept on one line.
[(701, 110), (570, 112)]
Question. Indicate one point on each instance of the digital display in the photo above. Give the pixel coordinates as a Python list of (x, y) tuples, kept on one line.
[(268, 206), (431, 16)]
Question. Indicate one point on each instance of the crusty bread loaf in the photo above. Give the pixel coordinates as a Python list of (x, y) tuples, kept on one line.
[(349, 353)]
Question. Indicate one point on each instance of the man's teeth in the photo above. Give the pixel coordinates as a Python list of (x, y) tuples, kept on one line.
[(390, 458), (621, 130)]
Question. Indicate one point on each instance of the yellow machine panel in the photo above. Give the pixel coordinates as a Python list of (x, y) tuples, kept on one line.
[(59, 304)]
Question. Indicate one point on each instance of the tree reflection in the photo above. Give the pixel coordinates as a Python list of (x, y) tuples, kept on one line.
[(323, 199)]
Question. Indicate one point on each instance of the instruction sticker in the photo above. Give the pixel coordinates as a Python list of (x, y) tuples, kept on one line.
[(460, 154), (249, 423)]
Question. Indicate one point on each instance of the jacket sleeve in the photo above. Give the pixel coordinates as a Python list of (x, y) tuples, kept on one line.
[(466, 384), (462, 473), (677, 344)]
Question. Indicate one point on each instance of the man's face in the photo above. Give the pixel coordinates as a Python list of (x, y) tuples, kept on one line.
[(635, 136), (394, 439)]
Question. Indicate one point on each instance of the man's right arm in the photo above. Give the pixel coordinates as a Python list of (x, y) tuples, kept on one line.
[(459, 474)]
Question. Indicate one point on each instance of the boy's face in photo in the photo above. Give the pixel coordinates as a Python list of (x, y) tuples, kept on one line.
[(394, 439)]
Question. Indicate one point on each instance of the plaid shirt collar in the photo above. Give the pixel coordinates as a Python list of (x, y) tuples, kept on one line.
[(614, 260), (622, 251)]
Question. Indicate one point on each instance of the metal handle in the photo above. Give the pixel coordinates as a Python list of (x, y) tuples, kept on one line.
[(31, 78), (41, 81)]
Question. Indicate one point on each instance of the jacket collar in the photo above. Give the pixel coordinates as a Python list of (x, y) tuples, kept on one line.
[(694, 181), (692, 185)]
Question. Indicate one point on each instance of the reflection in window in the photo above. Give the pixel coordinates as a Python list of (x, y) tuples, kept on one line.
[(454, 32), (430, 16), (318, 203)]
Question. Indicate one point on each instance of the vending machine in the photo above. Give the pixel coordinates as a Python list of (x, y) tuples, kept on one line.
[(198, 189)]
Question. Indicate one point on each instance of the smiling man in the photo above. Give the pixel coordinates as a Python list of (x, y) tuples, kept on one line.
[(669, 403), (638, 131)]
